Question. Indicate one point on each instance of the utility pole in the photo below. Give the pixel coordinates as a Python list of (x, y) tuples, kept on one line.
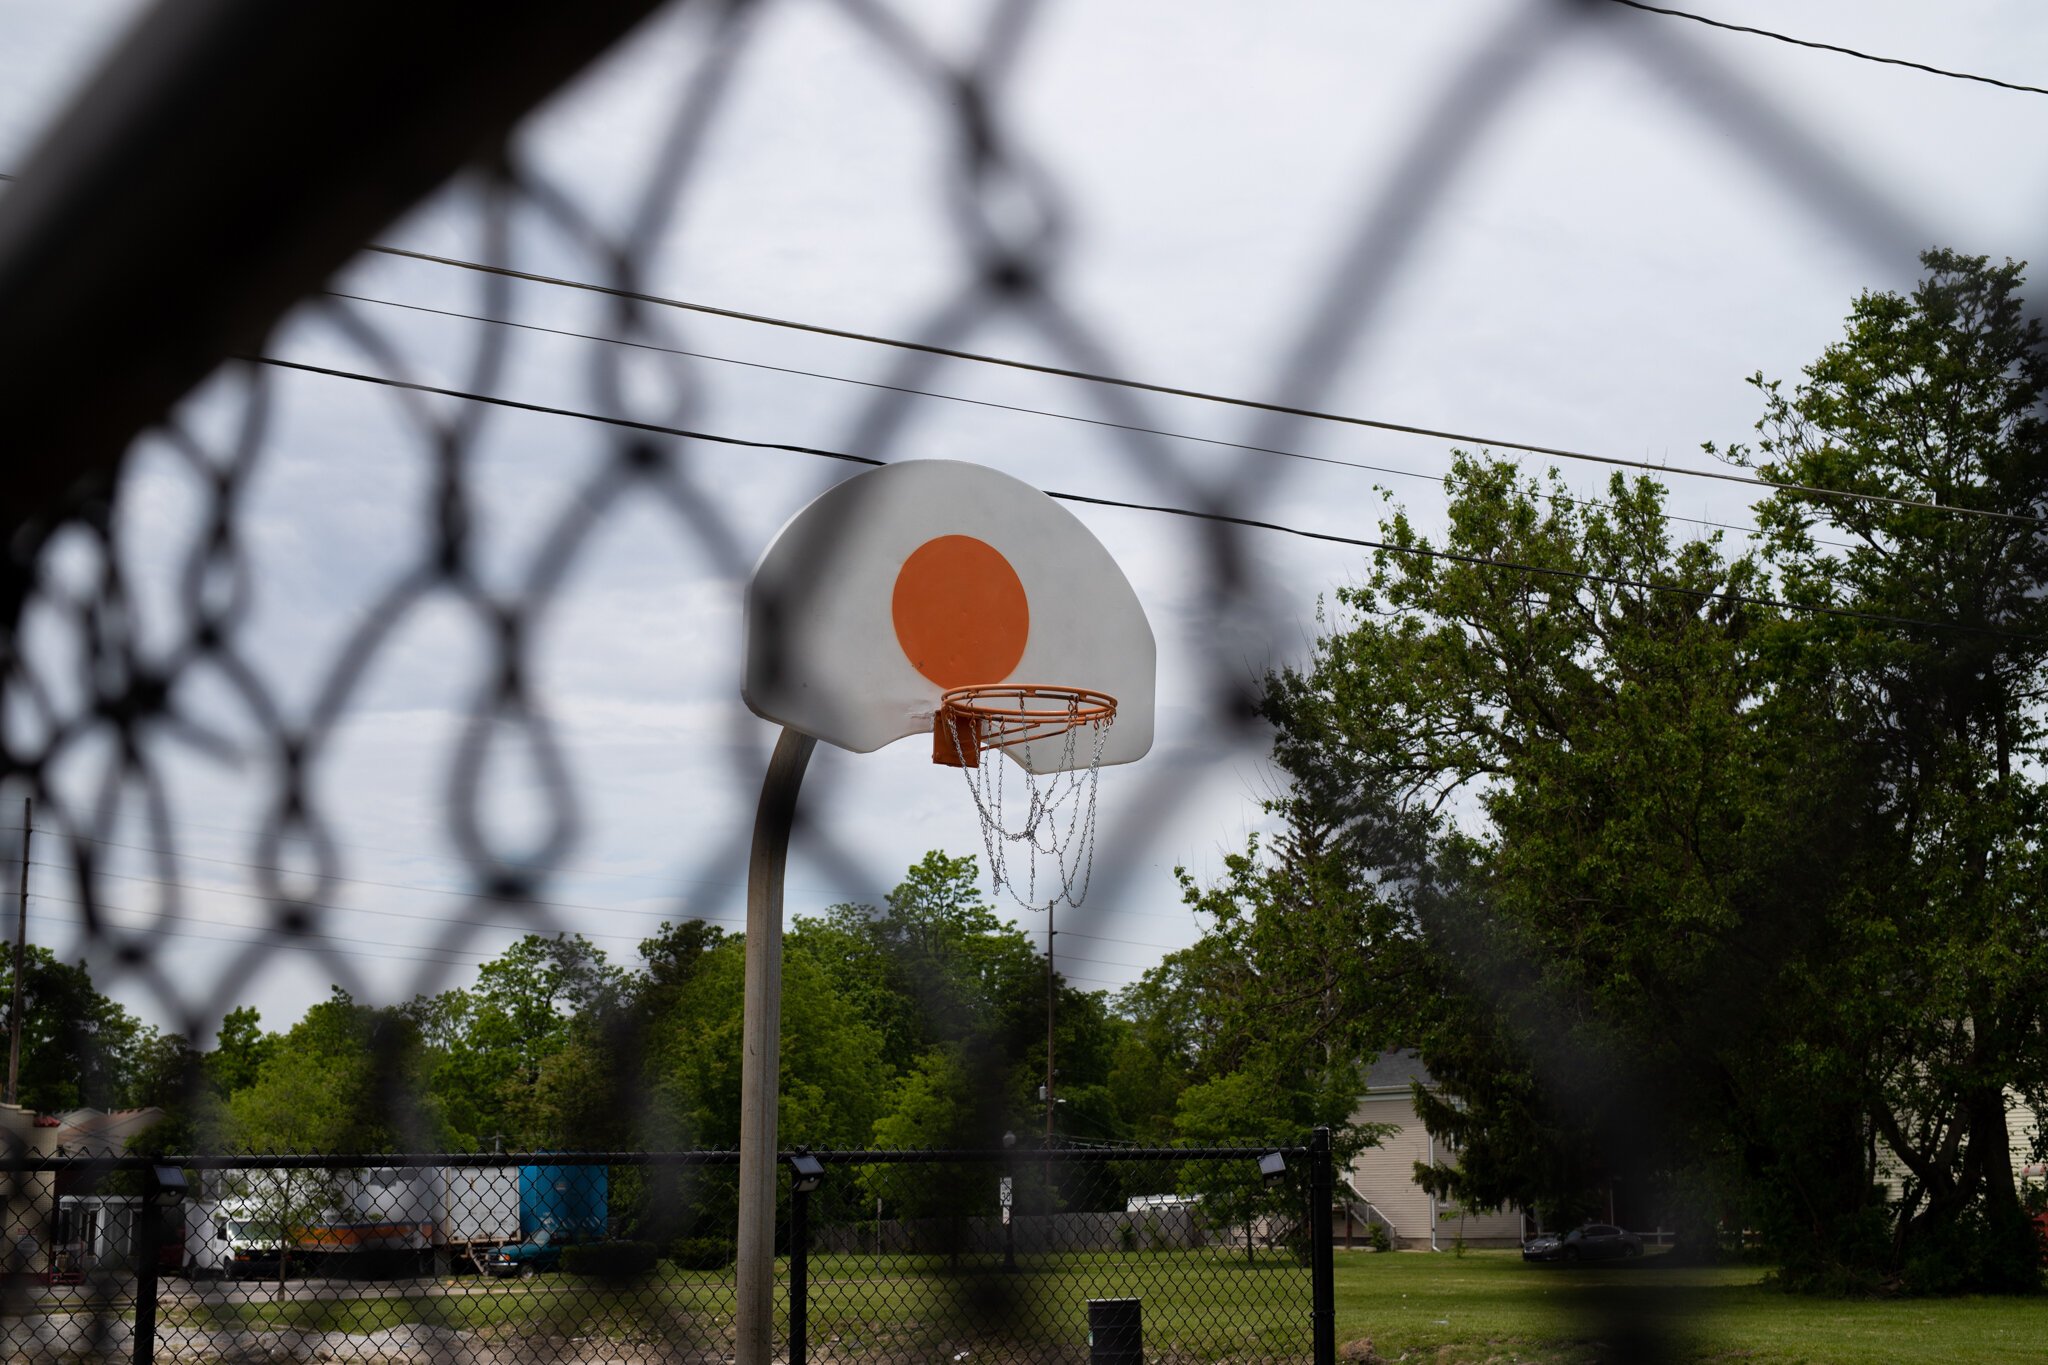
[(20, 966), (1050, 1102)]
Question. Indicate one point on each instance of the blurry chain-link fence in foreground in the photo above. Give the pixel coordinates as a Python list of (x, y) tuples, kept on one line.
[(231, 158)]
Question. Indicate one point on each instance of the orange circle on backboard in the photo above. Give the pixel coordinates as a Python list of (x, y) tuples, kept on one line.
[(961, 614)]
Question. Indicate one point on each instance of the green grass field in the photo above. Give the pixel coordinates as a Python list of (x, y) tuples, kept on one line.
[(1483, 1308), (1490, 1307), (1203, 1306)]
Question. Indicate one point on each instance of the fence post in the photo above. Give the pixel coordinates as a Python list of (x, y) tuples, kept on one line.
[(799, 1273), (146, 1237), (1322, 1275)]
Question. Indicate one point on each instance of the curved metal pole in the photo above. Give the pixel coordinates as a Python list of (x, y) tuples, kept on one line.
[(761, 1038)]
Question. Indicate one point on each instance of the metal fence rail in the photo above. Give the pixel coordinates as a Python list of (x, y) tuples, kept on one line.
[(1026, 1255)]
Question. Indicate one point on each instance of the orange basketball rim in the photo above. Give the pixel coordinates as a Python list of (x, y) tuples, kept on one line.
[(988, 716)]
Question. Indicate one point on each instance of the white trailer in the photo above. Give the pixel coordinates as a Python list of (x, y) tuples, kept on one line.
[(209, 1248), (379, 1215), (438, 1208), (442, 1211)]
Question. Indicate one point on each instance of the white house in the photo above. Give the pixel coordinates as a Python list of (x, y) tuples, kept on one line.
[(29, 1232), (1381, 1179), (2022, 1131)]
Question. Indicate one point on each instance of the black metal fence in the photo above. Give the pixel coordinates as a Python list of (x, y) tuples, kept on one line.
[(1028, 1255)]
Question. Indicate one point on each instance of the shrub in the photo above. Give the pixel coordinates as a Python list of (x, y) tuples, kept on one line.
[(1376, 1233), (611, 1260), (702, 1253)]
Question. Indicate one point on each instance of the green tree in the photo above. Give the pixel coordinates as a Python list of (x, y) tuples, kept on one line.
[(498, 1073), (1739, 901), (240, 1049), (947, 982), (345, 1078), (832, 1072), (935, 964), (1618, 956), (1932, 406), (78, 1047), (1264, 1028)]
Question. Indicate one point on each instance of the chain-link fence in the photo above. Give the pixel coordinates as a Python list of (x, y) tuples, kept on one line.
[(1167, 1255), (173, 332)]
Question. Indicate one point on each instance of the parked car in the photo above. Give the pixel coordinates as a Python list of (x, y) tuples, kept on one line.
[(1588, 1242), (525, 1258)]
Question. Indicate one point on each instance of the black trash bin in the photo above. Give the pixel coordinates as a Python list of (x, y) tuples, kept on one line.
[(1115, 1334)]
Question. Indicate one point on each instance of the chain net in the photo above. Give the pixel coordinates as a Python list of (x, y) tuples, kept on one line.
[(1055, 742)]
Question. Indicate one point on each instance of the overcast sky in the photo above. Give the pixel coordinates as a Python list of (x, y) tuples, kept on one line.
[(1574, 225)]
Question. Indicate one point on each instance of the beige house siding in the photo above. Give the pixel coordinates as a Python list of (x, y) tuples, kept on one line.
[(1384, 1177), (2022, 1126)]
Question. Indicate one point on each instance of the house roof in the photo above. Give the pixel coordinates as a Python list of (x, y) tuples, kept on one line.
[(93, 1132), (1393, 1072)]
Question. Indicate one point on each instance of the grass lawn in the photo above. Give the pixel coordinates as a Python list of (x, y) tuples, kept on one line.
[(1490, 1307), (548, 1305), (1483, 1308), (1196, 1305)]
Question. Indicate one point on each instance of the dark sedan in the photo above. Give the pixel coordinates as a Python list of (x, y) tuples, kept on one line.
[(1590, 1242)]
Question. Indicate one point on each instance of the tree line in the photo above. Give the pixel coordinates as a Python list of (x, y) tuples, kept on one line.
[(921, 1022), (918, 1023)]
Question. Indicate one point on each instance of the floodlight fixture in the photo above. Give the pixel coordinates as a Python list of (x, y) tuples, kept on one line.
[(1273, 1168)]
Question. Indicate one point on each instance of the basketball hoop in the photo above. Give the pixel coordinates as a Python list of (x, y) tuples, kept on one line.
[(1043, 728)]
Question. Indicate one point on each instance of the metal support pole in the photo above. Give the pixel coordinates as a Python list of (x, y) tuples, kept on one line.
[(20, 965), (1010, 1221), (799, 1276), (1322, 1273), (147, 1236), (761, 1038)]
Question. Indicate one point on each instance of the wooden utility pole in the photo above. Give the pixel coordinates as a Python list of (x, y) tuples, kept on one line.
[(1050, 1100), (20, 966)]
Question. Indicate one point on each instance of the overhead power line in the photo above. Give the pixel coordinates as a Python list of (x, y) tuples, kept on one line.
[(282, 938), (1223, 518), (73, 837), (416, 914), (363, 881), (351, 947), (1200, 395), (1057, 371), (407, 914), (547, 410), (912, 391), (1835, 48)]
